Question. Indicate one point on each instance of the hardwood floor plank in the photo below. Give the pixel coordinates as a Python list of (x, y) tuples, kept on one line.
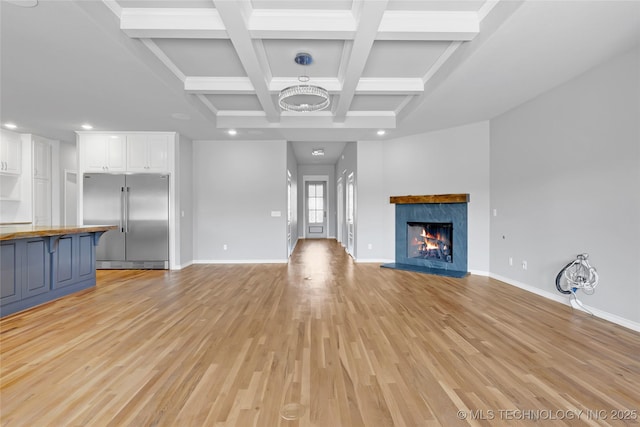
[(354, 344)]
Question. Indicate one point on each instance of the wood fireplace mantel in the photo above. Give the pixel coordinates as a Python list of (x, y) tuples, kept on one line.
[(433, 198)]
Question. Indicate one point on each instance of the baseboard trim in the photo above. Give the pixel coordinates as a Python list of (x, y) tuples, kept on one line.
[(480, 273), (240, 261), (566, 301), (373, 260), (181, 266)]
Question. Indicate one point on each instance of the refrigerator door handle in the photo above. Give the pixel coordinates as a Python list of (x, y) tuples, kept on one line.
[(126, 210), (122, 202)]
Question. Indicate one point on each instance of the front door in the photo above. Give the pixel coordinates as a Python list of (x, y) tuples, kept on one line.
[(316, 209)]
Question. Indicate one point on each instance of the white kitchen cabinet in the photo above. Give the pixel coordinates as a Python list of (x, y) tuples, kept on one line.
[(147, 153), (103, 152), (41, 182), (41, 160), (10, 154), (41, 201)]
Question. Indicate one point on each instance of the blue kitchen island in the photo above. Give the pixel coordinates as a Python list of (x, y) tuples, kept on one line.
[(39, 264)]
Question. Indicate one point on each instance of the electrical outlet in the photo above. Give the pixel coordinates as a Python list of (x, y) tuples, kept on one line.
[(524, 265), (495, 212), (369, 246), (511, 261), (224, 247)]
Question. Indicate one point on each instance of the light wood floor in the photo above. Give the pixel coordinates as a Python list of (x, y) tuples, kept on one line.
[(356, 345)]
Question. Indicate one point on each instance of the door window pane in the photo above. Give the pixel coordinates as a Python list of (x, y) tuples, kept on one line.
[(315, 203)]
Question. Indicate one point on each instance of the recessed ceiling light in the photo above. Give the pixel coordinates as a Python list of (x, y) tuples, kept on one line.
[(317, 152), (10, 125), (381, 132), (232, 132), (87, 126)]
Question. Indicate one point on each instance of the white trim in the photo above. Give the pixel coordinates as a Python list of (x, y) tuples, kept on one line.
[(319, 178), (373, 260), (480, 273), (240, 261), (181, 266), (564, 300), (295, 244)]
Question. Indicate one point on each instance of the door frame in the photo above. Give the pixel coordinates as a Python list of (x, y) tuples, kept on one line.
[(339, 210), (289, 214), (351, 225), (319, 178)]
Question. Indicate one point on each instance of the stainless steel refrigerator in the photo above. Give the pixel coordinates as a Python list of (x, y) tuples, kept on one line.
[(139, 205)]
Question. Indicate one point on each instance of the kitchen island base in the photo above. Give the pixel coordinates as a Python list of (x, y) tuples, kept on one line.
[(40, 266)]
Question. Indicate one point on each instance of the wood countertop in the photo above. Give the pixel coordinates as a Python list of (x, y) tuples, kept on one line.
[(24, 231)]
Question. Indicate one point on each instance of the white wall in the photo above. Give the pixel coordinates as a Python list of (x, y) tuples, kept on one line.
[(237, 184), (565, 178), (375, 224), (453, 160), (185, 199)]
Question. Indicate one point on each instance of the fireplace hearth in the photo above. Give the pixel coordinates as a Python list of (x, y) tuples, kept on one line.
[(431, 234)]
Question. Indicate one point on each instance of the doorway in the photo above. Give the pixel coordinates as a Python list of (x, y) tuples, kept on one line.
[(350, 213), (316, 209)]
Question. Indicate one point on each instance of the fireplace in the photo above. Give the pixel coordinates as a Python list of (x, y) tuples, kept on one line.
[(430, 240), (431, 234)]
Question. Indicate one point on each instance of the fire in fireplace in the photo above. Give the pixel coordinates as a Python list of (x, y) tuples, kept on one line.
[(430, 240)]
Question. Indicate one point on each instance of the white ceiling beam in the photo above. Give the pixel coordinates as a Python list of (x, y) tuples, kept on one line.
[(250, 52), (242, 85), (316, 120), (389, 86), (428, 25), (371, 13), (159, 53), (219, 85), (302, 24), (172, 23), (331, 84), (298, 24)]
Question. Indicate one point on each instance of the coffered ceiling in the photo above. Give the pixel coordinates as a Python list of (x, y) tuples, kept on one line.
[(201, 67), (235, 56)]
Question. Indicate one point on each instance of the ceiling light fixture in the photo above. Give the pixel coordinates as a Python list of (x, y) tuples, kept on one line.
[(317, 152), (381, 132), (10, 125), (303, 98), (232, 132), (87, 126)]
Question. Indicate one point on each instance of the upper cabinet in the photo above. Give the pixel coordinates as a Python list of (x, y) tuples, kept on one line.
[(10, 154), (103, 152), (147, 152)]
